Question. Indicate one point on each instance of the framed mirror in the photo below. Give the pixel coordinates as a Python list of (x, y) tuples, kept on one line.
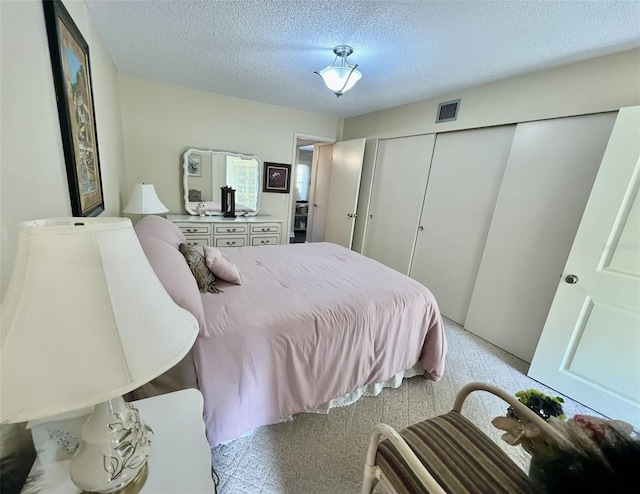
[(205, 171)]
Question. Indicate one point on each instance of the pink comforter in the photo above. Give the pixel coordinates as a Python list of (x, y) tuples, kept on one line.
[(310, 322)]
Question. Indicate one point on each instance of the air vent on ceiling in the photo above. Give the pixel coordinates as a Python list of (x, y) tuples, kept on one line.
[(448, 111)]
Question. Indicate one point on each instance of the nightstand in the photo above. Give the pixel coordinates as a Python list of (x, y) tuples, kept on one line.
[(180, 458)]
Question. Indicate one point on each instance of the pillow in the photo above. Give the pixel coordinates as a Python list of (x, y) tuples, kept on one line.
[(175, 276), (205, 278), (221, 265), (160, 228)]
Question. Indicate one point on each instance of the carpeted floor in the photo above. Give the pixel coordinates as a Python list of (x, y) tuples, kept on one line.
[(324, 454)]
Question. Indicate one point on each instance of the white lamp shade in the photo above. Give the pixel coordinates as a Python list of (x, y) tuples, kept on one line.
[(335, 78), (84, 319), (144, 200)]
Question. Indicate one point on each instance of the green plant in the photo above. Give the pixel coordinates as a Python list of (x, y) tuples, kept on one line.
[(522, 431), (544, 405)]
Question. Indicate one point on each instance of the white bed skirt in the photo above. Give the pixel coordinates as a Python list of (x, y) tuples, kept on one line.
[(369, 390), (350, 398)]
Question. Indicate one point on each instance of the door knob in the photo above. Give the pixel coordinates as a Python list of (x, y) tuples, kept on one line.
[(315, 204), (421, 228), (572, 279)]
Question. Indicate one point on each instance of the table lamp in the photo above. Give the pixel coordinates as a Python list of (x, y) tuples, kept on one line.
[(144, 200), (85, 320)]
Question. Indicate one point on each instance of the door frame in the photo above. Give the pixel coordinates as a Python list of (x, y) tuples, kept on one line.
[(315, 139)]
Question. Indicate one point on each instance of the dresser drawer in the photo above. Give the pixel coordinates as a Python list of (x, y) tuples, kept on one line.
[(230, 229), (197, 241), (265, 240), (230, 241), (261, 228), (191, 229)]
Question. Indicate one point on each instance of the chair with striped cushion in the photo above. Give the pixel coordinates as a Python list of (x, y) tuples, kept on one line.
[(448, 454)]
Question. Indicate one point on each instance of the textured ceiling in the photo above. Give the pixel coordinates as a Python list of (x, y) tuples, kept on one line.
[(267, 50)]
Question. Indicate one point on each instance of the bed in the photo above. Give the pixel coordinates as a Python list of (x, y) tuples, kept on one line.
[(309, 324)]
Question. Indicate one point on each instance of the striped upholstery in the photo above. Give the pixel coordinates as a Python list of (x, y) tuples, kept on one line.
[(461, 458)]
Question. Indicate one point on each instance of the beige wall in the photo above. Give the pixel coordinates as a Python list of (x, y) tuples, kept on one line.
[(33, 181), (598, 85), (161, 121)]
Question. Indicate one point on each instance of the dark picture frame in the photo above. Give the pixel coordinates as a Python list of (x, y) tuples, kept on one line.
[(74, 92), (277, 177)]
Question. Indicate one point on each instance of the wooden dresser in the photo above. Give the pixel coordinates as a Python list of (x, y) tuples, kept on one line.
[(229, 232)]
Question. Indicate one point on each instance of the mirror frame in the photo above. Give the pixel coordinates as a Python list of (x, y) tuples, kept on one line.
[(212, 152)]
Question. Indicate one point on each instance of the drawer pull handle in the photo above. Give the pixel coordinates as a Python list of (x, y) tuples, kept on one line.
[(192, 243), (231, 242), (191, 230), (266, 229), (264, 241), (231, 230)]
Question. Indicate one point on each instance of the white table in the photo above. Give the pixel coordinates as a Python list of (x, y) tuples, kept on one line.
[(180, 458)]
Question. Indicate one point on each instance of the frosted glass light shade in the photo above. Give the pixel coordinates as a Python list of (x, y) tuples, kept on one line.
[(85, 319), (144, 200), (337, 78)]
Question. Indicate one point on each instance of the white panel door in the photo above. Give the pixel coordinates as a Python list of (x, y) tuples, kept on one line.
[(590, 346), (346, 169), (399, 183), (546, 184), (319, 192), (364, 197), (466, 172)]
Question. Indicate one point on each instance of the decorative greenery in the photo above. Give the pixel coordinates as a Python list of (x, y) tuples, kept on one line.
[(596, 455), (518, 431), (544, 405)]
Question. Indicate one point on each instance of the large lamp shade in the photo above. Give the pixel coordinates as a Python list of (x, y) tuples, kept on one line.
[(85, 318)]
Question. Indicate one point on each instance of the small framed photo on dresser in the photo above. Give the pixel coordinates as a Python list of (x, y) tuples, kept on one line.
[(277, 177)]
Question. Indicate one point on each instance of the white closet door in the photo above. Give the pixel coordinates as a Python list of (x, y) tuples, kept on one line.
[(547, 181), (320, 192), (364, 198), (346, 169), (466, 172), (399, 183)]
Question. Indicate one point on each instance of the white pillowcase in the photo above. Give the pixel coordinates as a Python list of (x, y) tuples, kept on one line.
[(221, 265)]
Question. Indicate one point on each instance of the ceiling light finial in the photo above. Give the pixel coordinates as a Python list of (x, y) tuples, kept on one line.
[(340, 76)]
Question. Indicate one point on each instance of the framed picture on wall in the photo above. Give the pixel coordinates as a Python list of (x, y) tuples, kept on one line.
[(277, 177), (74, 92)]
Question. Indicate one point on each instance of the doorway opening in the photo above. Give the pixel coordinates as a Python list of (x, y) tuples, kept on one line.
[(301, 192), (303, 186)]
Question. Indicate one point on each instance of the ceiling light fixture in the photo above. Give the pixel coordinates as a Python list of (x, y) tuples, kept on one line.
[(340, 76)]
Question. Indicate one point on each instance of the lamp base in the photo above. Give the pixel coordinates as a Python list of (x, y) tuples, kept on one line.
[(133, 487), (114, 450)]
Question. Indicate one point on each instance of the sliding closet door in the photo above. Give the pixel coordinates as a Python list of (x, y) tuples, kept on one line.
[(465, 177), (399, 182), (547, 181)]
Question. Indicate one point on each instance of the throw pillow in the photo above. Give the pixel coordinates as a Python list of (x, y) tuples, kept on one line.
[(205, 278), (221, 265)]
